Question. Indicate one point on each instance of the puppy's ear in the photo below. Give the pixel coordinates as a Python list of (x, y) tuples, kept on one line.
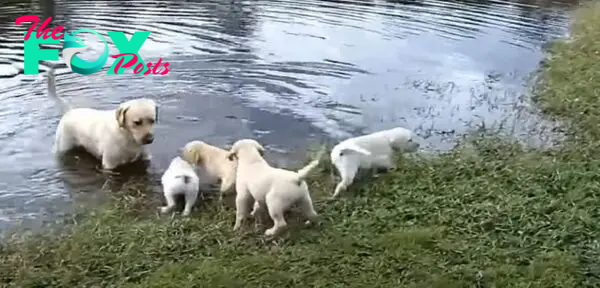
[(232, 155), (120, 115), (197, 156), (190, 155), (261, 149)]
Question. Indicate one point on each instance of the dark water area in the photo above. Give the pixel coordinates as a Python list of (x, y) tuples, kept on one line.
[(284, 72)]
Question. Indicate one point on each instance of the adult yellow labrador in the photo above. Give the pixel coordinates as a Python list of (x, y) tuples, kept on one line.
[(115, 137)]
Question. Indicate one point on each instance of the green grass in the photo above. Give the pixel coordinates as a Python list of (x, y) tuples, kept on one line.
[(490, 213)]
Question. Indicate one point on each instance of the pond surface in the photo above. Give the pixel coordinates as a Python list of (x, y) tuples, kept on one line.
[(283, 72)]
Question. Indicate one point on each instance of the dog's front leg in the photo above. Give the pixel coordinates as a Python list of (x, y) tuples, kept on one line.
[(384, 164), (347, 173), (109, 162), (145, 155)]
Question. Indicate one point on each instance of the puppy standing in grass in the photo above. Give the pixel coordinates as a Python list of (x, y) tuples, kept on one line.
[(373, 150), (271, 188), (180, 178), (115, 137), (214, 161)]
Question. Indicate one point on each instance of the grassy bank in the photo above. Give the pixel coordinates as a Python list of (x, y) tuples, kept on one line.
[(488, 214)]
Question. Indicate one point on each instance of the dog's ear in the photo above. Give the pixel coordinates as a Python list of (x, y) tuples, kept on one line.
[(120, 115), (261, 149), (196, 155), (232, 155), (190, 155)]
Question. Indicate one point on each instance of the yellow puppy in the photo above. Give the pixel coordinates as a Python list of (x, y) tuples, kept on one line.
[(214, 161), (273, 189)]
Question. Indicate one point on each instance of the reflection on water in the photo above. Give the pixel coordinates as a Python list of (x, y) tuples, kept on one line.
[(285, 72)]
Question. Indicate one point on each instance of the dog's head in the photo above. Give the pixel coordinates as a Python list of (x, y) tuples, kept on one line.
[(192, 152), (404, 141), (138, 117), (245, 146)]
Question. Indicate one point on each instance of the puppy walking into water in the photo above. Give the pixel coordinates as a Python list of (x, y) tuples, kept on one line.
[(115, 137), (374, 150), (271, 188), (214, 161), (180, 179)]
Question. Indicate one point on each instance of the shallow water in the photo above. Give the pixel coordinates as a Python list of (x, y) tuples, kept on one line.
[(284, 72)]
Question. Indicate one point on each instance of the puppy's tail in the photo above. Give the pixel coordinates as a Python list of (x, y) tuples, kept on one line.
[(64, 107), (305, 171), (353, 147), (185, 178)]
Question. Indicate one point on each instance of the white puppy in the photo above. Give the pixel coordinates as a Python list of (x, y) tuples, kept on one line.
[(180, 178), (373, 150), (115, 137), (271, 188), (214, 161)]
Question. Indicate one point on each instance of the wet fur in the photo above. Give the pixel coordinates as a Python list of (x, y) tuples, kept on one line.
[(115, 137)]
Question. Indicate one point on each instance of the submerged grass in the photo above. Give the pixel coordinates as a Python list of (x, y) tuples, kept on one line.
[(490, 213)]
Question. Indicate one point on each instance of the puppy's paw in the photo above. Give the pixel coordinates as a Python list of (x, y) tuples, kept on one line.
[(185, 213), (164, 209), (237, 226), (146, 156), (270, 232)]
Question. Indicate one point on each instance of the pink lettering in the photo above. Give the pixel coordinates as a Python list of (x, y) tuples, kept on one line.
[(128, 64), (139, 68), (149, 68), (167, 69), (43, 31)]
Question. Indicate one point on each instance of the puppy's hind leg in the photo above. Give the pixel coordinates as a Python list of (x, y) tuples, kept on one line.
[(276, 211), (226, 186), (308, 211), (190, 200), (170, 202), (347, 171), (242, 201)]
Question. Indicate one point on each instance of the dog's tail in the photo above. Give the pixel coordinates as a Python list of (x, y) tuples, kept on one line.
[(353, 147), (303, 173), (185, 178), (64, 107)]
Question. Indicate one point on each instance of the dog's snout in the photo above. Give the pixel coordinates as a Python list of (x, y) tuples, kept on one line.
[(149, 138)]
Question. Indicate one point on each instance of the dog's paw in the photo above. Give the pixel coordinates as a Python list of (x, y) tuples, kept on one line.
[(146, 157), (186, 213), (164, 209), (270, 232), (237, 226)]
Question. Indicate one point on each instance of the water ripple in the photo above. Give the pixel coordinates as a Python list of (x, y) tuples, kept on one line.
[(286, 72)]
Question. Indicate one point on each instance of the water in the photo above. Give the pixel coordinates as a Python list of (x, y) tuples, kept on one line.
[(284, 72)]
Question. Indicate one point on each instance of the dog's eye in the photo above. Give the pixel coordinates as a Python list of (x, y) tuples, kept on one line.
[(151, 121), (137, 123)]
